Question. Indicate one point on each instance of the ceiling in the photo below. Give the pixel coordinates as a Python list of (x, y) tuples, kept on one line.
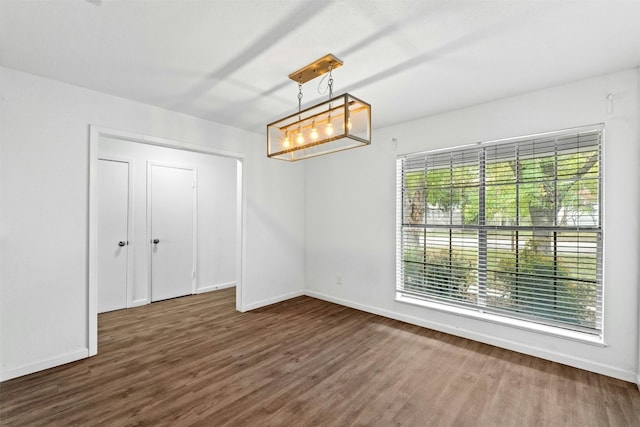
[(228, 61)]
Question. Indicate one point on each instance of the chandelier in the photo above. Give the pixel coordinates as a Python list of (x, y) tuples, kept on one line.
[(340, 123)]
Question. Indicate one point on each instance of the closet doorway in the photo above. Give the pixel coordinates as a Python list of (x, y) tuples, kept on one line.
[(200, 273)]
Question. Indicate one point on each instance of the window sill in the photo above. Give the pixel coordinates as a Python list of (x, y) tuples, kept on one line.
[(506, 321)]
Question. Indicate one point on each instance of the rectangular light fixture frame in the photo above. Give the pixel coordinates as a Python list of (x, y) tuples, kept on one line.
[(340, 123)]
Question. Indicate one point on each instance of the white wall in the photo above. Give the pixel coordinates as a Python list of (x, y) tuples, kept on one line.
[(216, 212), (44, 154), (350, 216), (304, 223), (638, 281)]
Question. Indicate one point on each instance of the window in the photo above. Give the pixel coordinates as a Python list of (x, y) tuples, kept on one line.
[(511, 228)]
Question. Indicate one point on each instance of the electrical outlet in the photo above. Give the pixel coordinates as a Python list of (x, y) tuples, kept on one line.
[(338, 279)]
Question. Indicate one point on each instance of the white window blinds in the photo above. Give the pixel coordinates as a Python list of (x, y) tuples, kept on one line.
[(510, 227)]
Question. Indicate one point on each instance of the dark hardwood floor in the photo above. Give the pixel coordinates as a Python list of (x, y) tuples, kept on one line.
[(304, 362)]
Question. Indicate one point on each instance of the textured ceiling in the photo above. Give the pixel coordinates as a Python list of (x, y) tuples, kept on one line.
[(228, 61)]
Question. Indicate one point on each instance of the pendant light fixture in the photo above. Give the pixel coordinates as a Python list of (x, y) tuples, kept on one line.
[(340, 123)]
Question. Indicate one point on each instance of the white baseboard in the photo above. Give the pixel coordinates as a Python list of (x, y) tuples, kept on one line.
[(498, 342), (41, 365), (263, 303), (139, 302), (215, 287)]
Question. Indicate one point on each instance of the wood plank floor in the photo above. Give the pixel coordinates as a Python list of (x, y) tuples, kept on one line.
[(304, 362)]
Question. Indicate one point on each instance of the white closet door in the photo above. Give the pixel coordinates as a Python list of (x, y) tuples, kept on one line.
[(172, 208), (113, 212)]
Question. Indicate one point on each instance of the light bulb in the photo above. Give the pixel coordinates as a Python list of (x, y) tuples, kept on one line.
[(349, 125), (329, 128), (300, 137), (314, 131), (286, 143)]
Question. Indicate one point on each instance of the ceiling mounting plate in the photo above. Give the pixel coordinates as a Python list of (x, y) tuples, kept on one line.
[(315, 69)]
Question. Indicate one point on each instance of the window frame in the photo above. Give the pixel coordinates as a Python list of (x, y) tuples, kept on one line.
[(477, 310)]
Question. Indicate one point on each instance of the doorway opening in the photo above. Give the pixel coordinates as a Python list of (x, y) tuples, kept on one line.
[(98, 134)]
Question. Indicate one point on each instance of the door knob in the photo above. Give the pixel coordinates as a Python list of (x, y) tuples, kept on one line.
[(156, 241), (121, 243)]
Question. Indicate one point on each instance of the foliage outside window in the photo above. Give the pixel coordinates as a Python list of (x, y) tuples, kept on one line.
[(510, 227)]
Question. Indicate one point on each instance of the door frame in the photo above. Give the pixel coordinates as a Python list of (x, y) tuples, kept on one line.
[(97, 132), (130, 224), (194, 265)]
